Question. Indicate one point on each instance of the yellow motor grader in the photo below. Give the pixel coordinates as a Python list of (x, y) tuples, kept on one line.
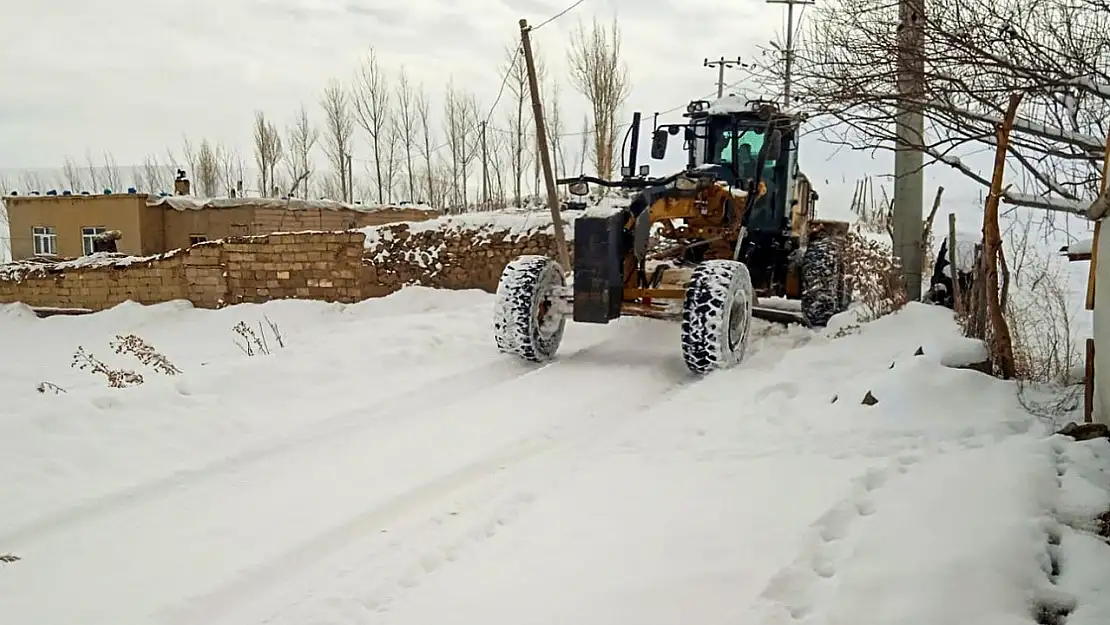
[(738, 223)]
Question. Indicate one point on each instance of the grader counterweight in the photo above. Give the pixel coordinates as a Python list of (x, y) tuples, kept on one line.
[(738, 223)]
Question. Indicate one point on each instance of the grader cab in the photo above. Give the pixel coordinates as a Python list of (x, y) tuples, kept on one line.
[(737, 226)]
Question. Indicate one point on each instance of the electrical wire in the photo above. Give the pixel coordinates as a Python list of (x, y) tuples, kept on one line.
[(558, 15)]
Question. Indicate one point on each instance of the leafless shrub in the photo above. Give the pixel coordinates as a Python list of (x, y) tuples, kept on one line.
[(50, 386), (8, 558), (874, 276), (145, 353), (117, 378), (255, 343)]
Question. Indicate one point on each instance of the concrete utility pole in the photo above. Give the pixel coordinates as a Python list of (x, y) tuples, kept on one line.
[(721, 65), (909, 175), (541, 142), (789, 52)]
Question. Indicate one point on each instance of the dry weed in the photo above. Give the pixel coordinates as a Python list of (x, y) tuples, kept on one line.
[(874, 276), (255, 343), (145, 353), (50, 386), (117, 378)]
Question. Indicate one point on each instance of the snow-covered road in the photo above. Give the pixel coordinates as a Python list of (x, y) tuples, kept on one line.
[(387, 466)]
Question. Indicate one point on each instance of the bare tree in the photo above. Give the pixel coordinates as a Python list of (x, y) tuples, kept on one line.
[(553, 115), (302, 138), (268, 151), (517, 83), (153, 177), (189, 156), (977, 53), (94, 171), (111, 177), (338, 128), (584, 148), (371, 99), (72, 174), (407, 120), (208, 174), (597, 72), (454, 120), (423, 115), (391, 167)]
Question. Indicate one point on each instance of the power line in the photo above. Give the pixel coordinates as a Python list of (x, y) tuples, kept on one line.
[(557, 15)]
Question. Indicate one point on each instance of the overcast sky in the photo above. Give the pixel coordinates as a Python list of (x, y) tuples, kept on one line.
[(131, 77)]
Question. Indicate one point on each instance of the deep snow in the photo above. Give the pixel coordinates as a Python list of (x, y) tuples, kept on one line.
[(388, 466)]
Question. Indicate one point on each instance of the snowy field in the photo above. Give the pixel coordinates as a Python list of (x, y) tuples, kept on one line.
[(388, 466)]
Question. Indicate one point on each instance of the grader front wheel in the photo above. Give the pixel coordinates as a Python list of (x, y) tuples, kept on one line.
[(824, 288), (717, 316), (527, 322)]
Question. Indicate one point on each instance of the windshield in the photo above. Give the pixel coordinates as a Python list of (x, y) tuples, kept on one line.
[(748, 141)]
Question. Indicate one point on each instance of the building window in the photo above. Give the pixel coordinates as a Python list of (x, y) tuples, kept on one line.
[(46, 240), (197, 238), (88, 233), (239, 230)]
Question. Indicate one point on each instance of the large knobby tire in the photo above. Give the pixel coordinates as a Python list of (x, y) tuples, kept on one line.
[(824, 290), (525, 320), (717, 316)]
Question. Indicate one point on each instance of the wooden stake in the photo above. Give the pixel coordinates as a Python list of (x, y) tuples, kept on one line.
[(541, 142), (1089, 383), (957, 297)]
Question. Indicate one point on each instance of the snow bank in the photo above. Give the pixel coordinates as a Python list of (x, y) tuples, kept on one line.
[(504, 224), (23, 269), (183, 202)]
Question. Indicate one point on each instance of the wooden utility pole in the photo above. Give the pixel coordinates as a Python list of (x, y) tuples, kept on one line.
[(721, 65), (485, 166), (350, 190), (541, 142), (788, 54)]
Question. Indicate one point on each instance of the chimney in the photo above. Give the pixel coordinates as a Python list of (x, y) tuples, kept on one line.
[(181, 185)]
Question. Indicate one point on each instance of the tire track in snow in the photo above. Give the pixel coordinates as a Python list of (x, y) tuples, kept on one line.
[(370, 591), (396, 410)]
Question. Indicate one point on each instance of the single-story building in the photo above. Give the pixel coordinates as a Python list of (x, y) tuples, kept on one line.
[(65, 226)]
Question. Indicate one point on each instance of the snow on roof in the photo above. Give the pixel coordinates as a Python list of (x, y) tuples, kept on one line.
[(182, 203), (1080, 250), (739, 103)]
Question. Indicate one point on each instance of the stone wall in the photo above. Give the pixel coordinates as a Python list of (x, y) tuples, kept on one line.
[(459, 252), (308, 265)]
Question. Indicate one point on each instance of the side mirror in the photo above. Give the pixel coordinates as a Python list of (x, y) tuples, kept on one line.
[(659, 144), (579, 188), (774, 145)]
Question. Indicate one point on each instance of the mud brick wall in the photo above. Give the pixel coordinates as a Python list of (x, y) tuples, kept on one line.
[(324, 266), (308, 265), (453, 253), (97, 288)]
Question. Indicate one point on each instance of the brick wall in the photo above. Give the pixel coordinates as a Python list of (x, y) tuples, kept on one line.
[(317, 265)]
